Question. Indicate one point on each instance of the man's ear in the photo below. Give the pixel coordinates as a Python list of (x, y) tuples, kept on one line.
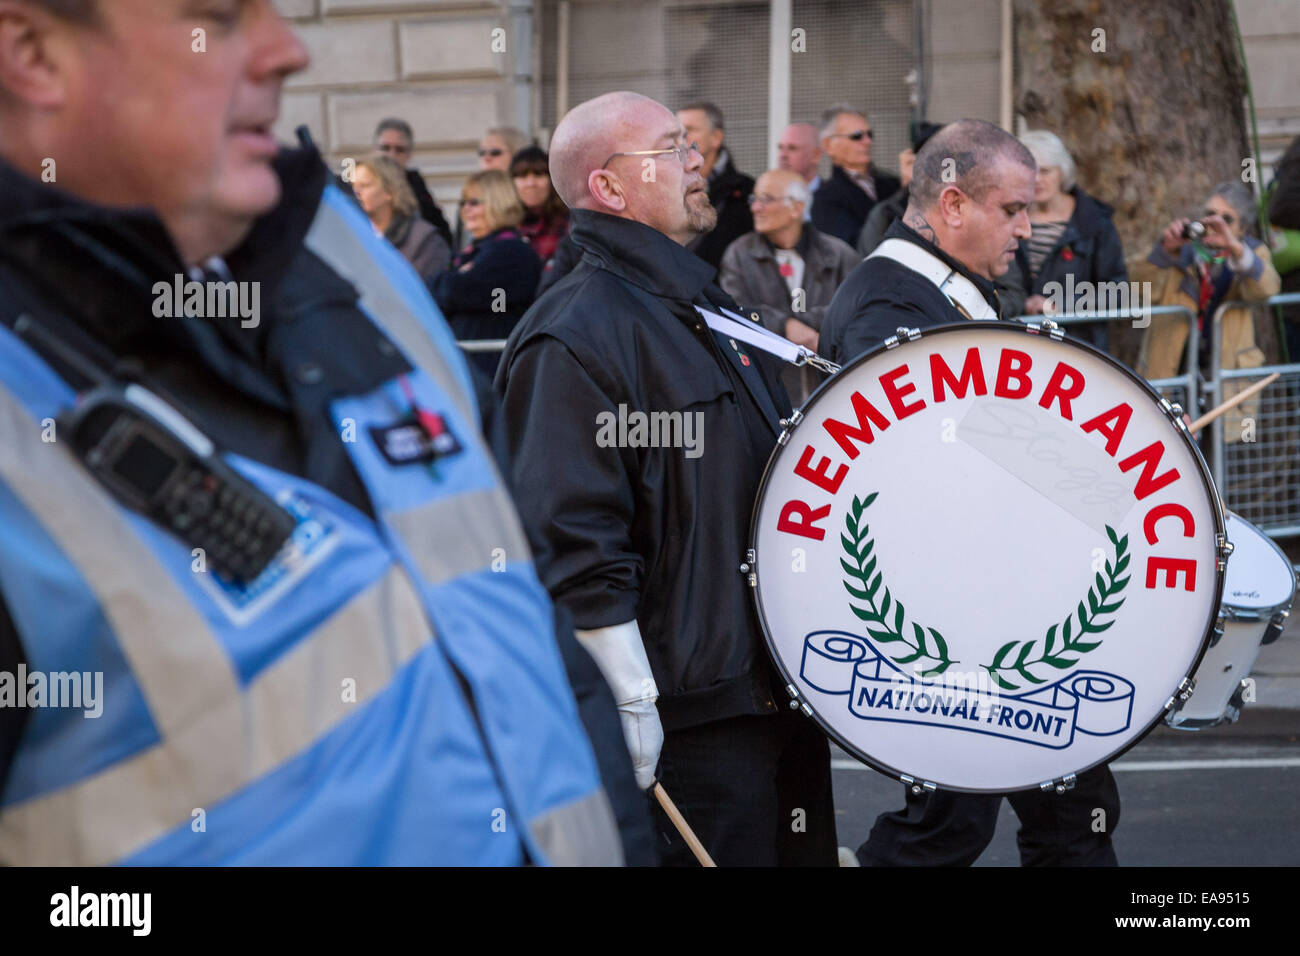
[(606, 190), (34, 45), (953, 205)]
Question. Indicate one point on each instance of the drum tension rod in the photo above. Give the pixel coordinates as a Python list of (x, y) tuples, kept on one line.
[(903, 333), (915, 787), (1060, 786), (1053, 330), (747, 567), (1182, 694)]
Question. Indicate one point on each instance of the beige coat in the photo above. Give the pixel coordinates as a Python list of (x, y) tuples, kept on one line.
[(1165, 343)]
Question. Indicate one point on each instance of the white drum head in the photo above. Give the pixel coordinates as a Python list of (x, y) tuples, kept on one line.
[(960, 586), (1259, 577)]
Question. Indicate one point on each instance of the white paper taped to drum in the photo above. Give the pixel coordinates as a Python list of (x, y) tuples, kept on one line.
[(986, 559)]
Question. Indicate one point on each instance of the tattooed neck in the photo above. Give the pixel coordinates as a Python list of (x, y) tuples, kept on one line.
[(918, 224)]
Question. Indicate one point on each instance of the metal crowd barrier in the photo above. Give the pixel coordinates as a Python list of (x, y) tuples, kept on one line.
[(1258, 470)]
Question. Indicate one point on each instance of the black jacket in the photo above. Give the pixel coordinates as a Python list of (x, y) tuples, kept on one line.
[(645, 533), (840, 206), (729, 192), (428, 208), (248, 389), (881, 295), (489, 285), (1089, 249)]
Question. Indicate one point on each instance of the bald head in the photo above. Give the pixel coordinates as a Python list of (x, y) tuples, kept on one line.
[(594, 130), (799, 149), (785, 183), (661, 190)]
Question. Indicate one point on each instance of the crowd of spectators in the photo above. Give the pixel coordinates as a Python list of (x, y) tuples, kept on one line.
[(784, 244)]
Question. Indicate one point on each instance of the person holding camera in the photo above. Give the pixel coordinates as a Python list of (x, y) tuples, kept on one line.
[(1202, 263)]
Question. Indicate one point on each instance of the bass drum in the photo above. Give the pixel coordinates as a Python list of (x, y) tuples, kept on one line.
[(987, 558)]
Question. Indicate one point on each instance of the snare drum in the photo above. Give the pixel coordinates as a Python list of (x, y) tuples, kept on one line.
[(986, 558), (1257, 595)]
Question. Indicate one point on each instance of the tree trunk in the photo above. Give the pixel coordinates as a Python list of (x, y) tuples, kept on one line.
[(1148, 98)]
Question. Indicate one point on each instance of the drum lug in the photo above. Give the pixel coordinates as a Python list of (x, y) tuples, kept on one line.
[(1275, 627), (1059, 786), (1216, 635), (1182, 694), (747, 567), (903, 333)]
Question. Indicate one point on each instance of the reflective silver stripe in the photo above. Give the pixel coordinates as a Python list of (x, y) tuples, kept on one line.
[(332, 239), (288, 707), (478, 521), (580, 833), (180, 666)]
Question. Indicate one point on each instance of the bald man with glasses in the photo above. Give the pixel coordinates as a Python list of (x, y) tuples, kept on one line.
[(641, 539)]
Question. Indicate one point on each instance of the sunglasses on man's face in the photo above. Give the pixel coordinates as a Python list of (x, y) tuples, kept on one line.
[(393, 148), (494, 152), (858, 135)]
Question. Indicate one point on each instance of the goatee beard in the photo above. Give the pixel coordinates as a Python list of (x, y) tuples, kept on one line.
[(701, 217)]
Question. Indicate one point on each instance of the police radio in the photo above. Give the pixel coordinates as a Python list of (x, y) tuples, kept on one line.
[(157, 463)]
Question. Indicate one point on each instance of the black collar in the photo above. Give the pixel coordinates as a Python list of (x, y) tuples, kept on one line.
[(900, 230), (641, 255)]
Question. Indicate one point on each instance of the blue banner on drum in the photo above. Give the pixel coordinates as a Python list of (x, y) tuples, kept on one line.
[(842, 664)]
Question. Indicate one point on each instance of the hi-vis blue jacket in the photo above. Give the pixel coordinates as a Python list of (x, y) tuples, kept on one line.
[(387, 692)]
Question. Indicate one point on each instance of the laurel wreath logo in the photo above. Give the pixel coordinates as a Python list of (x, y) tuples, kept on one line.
[(1105, 589), (929, 645), (858, 546)]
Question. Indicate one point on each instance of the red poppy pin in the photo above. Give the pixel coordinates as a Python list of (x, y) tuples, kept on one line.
[(1067, 254), (787, 270), (744, 359)]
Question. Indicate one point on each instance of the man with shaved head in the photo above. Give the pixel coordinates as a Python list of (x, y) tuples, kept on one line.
[(787, 269), (972, 183), (799, 151), (639, 530)]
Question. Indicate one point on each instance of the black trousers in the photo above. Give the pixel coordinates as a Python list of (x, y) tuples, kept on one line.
[(756, 790), (952, 829)]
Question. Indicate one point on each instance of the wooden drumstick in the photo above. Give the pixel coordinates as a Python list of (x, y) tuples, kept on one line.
[(682, 826), (1237, 399)]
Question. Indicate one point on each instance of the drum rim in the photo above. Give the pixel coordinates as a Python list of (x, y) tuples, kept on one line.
[(980, 328), (1239, 613)]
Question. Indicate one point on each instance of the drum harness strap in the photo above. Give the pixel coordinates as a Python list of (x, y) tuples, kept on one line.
[(960, 291), (963, 294)]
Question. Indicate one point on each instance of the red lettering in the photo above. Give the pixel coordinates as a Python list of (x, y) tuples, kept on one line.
[(1150, 460), (1121, 414), (845, 434), (818, 475), (1057, 389), (1013, 365), (1171, 567), (807, 518), (1170, 510), (972, 373), (896, 394)]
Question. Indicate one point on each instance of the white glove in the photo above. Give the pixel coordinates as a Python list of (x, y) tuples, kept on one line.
[(620, 655)]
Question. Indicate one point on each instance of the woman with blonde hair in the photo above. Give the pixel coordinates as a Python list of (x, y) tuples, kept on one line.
[(491, 282), (380, 186)]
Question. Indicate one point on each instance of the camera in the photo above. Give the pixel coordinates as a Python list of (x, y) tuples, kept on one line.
[(1194, 229)]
